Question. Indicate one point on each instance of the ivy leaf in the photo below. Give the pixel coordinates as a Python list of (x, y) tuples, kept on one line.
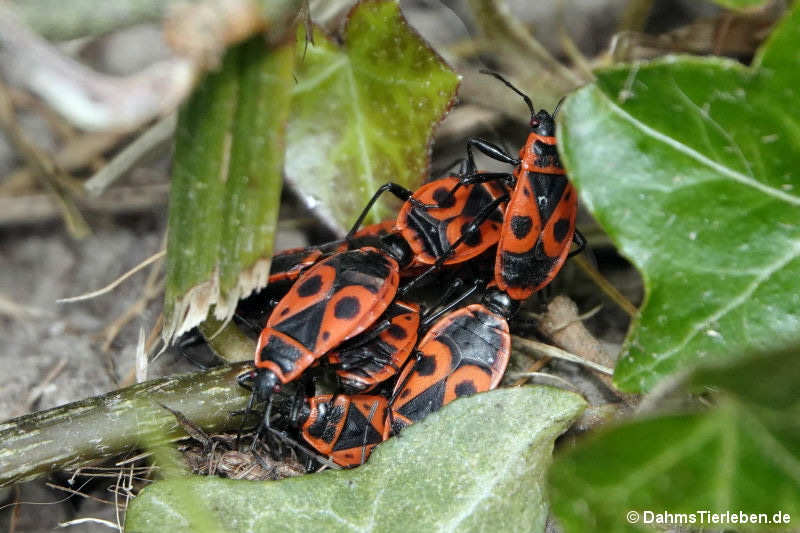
[(742, 455), (691, 167), (478, 464), (226, 184), (363, 112)]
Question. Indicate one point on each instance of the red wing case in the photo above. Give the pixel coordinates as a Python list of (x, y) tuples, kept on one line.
[(539, 222), (464, 353), (346, 428), (431, 231), (331, 302)]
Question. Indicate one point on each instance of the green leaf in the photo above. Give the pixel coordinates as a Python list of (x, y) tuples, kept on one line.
[(363, 112), (226, 183), (740, 4), (758, 381), (478, 464), (742, 455), (691, 166)]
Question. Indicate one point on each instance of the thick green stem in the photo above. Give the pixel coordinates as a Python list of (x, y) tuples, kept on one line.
[(119, 422)]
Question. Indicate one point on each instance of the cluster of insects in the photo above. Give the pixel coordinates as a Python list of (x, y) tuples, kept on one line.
[(498, 236)]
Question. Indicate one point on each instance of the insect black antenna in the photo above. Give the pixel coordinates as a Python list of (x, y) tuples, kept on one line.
[(558, 106), (524, 96)]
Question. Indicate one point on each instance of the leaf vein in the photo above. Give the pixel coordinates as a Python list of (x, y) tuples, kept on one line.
[(309, 84), (705, 117), (700, 158), (360, 129), (734, 303)]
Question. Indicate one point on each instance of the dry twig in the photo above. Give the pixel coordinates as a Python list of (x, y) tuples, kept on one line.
[(111, 286), (604, 285), (153, 138), (45, 168)]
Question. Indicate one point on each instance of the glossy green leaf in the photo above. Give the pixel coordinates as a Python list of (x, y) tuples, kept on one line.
[(363, 112), (226, 183), (478, 464), (691, 166), (742, 455)]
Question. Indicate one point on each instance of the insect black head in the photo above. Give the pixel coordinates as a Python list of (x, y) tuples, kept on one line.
[(397, 247), (265, 383), (500, 302), (543, 123)]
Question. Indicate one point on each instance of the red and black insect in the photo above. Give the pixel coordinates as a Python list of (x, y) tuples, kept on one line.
[(380, 352), (464, 353), (461, 227), (445, 223), (344, 427), (539, 221), (253, 312), (332, 301), (449, 231)]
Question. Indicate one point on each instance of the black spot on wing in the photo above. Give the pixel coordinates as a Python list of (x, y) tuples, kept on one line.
[(310, 286), (521, 226), (426, 365), (443, 198), (465, 388), (471, 238), (396, 332), (347, 307), (560, 229)]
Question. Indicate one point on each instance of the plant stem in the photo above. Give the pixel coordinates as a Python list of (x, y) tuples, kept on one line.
[(119, 422)]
